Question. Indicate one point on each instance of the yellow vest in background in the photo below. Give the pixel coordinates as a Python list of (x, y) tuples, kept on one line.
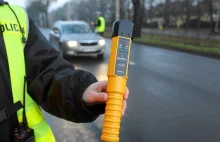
[(101, 28)]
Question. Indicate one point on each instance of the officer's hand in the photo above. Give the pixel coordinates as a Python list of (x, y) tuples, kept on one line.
[(92, 23), (96, 93)]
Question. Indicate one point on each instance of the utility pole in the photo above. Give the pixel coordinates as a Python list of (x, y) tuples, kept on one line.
[(117, 9)]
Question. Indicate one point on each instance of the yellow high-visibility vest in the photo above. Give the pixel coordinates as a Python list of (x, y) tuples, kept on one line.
[(101, 28), (15, 53)]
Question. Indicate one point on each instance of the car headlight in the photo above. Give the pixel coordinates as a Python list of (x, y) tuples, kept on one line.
[(72, 43), (102, 42)]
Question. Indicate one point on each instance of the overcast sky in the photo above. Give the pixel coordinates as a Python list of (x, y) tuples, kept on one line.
[(54, 5), (22, 3)]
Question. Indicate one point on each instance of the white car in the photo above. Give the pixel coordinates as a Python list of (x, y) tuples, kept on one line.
[(75, 38)]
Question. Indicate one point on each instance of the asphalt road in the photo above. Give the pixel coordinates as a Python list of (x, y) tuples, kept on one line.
[(174, 97)]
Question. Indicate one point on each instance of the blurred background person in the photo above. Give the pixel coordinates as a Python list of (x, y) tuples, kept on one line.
[(99, 24)]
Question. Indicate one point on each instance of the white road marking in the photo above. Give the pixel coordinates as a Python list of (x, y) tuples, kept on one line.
[(132, 63)]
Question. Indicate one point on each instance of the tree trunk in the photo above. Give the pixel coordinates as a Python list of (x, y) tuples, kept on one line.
[(113, 11), (187, 14), (211, 16), (47, 13), (217, 22), (127, 10), (47, 19), (150, 10), (122, 9), (117, 9), (166, 13), (198, 11), (138, 17)]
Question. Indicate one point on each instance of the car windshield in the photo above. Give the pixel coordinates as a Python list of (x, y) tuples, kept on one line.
[(76, 28)]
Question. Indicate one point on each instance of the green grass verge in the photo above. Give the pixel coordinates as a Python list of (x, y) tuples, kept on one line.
[(193, 45)]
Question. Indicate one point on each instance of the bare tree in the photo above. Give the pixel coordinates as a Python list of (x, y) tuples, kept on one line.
[(47, 5), (122, 9), (198, 13), (35, 9), (113, 10), (217, 5), (42, 6), (210, 4), (167, 12), (150, 11), (138, 16), (187, 9)]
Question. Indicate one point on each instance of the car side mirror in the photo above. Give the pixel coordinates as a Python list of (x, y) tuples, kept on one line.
[(56, 31)]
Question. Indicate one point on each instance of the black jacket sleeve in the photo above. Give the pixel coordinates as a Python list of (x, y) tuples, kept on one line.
[(54, 83), (98, 23)]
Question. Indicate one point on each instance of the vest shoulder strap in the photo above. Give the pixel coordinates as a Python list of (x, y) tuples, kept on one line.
[(27, 20)]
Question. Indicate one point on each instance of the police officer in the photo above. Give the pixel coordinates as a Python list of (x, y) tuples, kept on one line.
[(99, 24), (28, 59)]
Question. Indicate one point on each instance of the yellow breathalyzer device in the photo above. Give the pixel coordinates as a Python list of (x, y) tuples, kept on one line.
[(117, 79)]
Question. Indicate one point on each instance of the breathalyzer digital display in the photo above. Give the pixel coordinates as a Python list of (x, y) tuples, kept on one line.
[(122, 57)]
